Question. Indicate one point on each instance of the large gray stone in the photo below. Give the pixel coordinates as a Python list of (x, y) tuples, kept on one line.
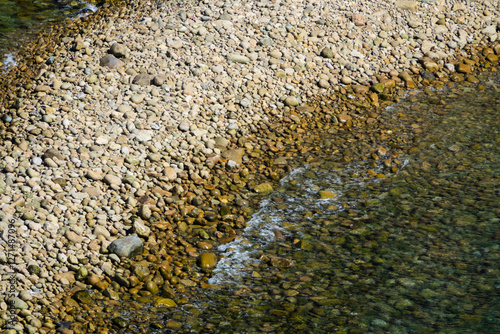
[(111, 62), (143, 79), (118, 50), (127, 246)]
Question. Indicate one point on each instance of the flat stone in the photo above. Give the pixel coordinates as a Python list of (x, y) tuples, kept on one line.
[(42, 88), (165, 302), (238, 58), (145, 212), (159, 79), (94, 175), (266, 41), (235, 155), (52, 153), (343, 118), (50, 163), (221, 142), (378, 87), (18, 303), (463, 68), (264, 188), (325, 194), (132, 159), (407, 5), (430, 65), (92, 191), (137, 98), (323, 83), (143, 136), (143, 79), (359, 19), (102, 140), (83, 296)]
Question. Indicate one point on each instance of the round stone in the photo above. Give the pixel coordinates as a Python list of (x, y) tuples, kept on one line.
[(208, 260), (291, 101), (37, 161)]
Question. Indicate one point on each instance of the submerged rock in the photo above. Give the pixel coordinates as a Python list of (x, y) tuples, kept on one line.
[(83, 296), (208, 260)]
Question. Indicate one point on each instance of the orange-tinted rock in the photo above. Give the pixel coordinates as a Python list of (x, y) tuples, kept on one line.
[(463, 68), (492, 57), (343, 118)]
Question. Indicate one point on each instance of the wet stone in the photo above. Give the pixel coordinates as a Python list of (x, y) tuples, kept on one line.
[(207, 260), (83, 296)]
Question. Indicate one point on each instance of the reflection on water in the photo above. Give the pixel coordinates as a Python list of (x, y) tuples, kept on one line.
[(398, 243)]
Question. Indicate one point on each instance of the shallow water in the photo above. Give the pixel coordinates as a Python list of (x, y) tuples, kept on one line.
[(408, 242), (22, 19)]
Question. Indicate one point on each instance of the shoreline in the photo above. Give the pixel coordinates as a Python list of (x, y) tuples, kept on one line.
[(96, 156)]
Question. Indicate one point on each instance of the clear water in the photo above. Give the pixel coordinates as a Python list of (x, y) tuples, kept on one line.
[(409, 244), (22, 19)]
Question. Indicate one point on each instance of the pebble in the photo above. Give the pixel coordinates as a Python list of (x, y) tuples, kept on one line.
[(141, 229), (112, 179), (94, 175), (37, 161), (184, 126), (291, 101), (238, 58)]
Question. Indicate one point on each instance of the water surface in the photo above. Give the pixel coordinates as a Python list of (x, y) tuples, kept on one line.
[(20, 20)]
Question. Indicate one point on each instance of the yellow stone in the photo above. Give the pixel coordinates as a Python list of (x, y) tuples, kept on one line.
[(413, 150), (208, 260), (325, 194), (492, 57), (264, 188), (165, 302), (463, 68), (472, 79)]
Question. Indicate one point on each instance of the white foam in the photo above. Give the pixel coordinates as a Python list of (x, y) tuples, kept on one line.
[(241, 256), (8, 61), (86, 10)]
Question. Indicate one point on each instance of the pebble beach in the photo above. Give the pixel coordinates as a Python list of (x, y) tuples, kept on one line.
[(134, 146)]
